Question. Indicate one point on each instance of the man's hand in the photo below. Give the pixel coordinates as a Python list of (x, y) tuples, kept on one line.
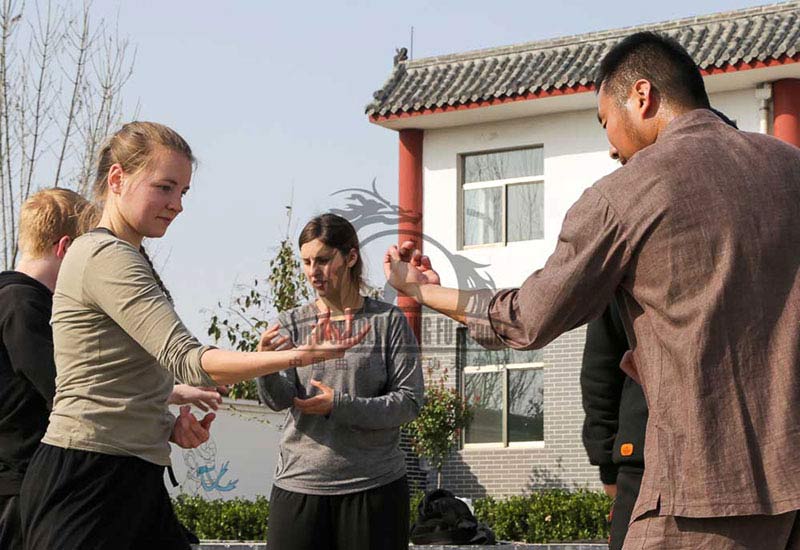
[(321, 404), (202, 398), (271, 340), (406, 268), (628, 366), (188, 432), (611, 490)]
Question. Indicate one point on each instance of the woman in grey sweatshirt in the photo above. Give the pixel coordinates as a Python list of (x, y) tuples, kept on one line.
[(340, 481)]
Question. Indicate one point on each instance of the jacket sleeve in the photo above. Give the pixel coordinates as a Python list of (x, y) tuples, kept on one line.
[(28, 339), (601, 388), (575, 285), (404, 393), (278, 390)]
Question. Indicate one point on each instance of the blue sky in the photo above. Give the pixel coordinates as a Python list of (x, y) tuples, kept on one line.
[(271, 97)]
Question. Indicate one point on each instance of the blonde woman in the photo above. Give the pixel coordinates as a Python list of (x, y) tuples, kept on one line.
[(96, 480)]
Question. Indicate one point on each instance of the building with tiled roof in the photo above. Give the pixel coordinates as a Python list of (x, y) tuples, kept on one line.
[(722, 42), (495, 145)]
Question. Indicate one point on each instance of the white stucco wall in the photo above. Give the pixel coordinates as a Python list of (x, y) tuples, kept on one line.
[(575, 156), (238, 460)]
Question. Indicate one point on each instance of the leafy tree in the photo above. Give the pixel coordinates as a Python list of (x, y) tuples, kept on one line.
[(438, 427), (242, 321)]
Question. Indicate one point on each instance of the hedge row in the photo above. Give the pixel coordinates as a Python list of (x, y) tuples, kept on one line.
[(236, 519), (544, 516), (547, 516)]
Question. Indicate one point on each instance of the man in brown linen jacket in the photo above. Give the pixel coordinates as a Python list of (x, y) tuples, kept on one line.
[(698, 237)]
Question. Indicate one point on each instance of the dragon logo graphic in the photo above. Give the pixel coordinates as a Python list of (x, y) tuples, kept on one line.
[(370, 212)]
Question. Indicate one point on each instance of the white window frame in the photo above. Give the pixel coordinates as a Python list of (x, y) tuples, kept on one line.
[(504, 184), (505, 443)]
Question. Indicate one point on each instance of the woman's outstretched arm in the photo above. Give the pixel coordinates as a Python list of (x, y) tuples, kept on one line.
[(118, 281), (325, 342)]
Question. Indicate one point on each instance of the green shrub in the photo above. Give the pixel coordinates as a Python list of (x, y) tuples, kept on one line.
[(547, 516), (416, 498), (438, 427), (235, 519)]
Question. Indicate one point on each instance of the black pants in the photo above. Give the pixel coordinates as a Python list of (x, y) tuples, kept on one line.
[(10, 530), (80, 500), (376, 519), (629, 480)]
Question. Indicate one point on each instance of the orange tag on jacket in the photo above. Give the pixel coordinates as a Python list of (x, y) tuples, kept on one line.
[(626, 449)]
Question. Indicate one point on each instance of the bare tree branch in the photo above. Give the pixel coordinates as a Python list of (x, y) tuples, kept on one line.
[(84, 43), (61, 81)]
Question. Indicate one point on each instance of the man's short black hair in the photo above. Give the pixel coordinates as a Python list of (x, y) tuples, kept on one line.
[(658, 59)]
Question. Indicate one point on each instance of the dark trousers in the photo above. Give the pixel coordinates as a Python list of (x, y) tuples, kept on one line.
[(10, 530), (80, 500), (376, 519), (629, 480)]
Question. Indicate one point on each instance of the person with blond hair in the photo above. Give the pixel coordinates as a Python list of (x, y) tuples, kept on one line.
[(96, 479), (50, 221)]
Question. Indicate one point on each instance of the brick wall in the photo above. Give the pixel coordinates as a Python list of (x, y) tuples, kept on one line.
[(560, 462)]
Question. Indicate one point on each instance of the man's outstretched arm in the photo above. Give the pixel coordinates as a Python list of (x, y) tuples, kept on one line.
[(411, 273), (576, 283)]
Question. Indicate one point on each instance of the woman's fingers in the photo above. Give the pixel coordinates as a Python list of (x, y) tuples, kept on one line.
[(358, 337), (207, 420), (270, 339), (200, 405), (321, 328), (348, 322)]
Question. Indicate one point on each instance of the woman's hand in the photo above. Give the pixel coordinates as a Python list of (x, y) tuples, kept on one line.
[(202, 398), (271, 340), (327, 342), (188, 432), (321, 404)]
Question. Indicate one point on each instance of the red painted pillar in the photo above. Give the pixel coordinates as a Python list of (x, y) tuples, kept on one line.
[(786, 108), (410, 202)]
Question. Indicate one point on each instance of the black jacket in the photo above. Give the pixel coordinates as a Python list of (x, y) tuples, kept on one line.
[(27, 373), (616, 411)]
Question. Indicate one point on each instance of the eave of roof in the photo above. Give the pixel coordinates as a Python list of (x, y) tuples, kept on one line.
[(725, 42)]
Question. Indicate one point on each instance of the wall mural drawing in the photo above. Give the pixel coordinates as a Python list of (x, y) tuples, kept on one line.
[(202, 475)]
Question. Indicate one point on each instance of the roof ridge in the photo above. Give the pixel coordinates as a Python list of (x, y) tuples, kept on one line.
[(575, 39)]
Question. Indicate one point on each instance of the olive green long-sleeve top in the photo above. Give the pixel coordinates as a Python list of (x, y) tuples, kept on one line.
[(119, 348)]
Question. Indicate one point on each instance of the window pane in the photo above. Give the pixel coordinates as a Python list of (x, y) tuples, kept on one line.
[(525, 212), (503, 165), (484, 393), (483, 216), (525, 405), (474, 355)]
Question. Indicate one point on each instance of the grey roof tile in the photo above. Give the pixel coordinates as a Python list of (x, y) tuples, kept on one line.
[(754, 34)]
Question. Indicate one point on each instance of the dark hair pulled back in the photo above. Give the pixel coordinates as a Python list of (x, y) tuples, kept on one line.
[(336, 232)]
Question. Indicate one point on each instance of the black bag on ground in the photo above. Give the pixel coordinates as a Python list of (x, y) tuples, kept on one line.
[(444, 519)]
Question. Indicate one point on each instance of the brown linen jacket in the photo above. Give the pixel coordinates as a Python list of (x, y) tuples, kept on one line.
[(699, 238)]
